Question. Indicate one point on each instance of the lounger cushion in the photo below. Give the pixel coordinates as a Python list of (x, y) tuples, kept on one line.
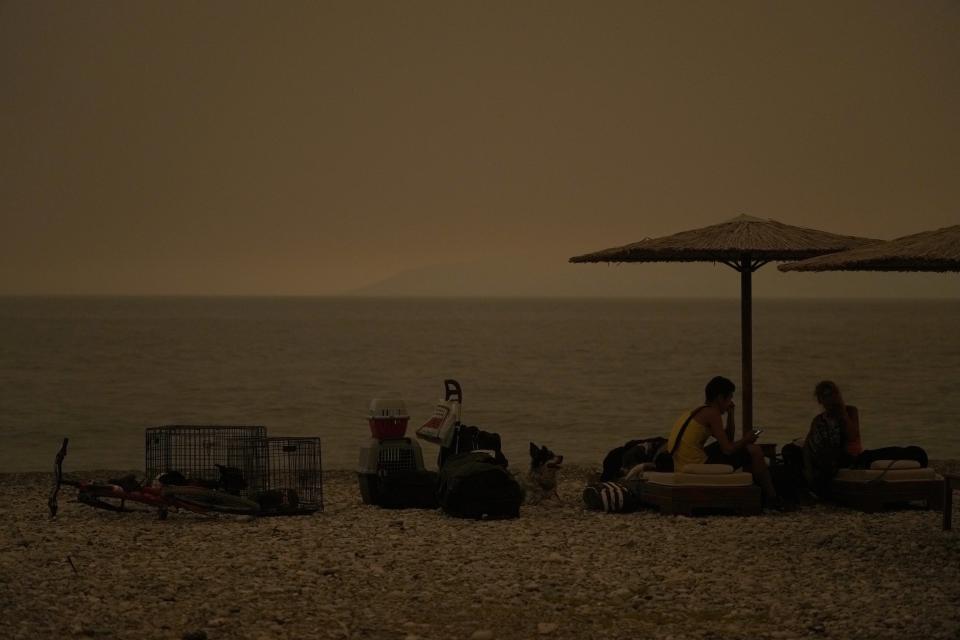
[(895, 464), (707, 468), (732, 479), (894, 475)]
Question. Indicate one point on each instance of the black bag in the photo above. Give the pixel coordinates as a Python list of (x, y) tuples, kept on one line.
[(787, 474), (475, 485), (664, 462), (409, 490), (869, 456), (467, 439), (613, 462), (631, 453), (788, 481)]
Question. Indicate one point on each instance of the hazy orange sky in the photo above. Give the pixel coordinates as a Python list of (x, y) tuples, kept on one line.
[(316, 148)]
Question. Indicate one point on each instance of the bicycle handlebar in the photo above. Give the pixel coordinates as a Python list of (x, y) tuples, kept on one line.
[(57, 478)]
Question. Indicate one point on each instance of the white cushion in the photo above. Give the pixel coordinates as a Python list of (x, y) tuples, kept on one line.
[(711, 469), (732, 479), (658, 477), (894, 475), (895, 464)]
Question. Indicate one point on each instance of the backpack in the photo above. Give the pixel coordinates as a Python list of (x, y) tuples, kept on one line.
[(631, 453), (613, 462), (475, 485), (466, 438)]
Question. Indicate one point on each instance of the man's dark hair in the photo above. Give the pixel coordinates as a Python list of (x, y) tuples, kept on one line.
[(719, 386)]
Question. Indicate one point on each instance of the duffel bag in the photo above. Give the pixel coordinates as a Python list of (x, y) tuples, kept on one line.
[(475, 485), (408, 489)]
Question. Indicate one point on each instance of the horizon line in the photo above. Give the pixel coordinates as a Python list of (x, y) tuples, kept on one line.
[(461, 296)]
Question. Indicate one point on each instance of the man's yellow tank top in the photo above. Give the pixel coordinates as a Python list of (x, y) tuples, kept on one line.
[(690, 450)]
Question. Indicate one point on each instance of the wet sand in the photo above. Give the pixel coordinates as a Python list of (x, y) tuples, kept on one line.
[(558, 571)]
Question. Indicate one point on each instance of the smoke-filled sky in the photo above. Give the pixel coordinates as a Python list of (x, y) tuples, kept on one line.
[(323, 147)]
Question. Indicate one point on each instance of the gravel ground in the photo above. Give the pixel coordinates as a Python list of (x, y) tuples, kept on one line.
[(558, 571)]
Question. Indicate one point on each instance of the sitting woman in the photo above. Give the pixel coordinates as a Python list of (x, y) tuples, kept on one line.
[(834, 442), (694, 427)]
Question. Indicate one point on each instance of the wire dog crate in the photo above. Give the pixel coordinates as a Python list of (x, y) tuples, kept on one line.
[(231, 458), (294, 478)]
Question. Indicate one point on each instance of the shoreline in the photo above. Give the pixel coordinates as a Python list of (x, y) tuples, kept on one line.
[(558, 571), (574, 470)]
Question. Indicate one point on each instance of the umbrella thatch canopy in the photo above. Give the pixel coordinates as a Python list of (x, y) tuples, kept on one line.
[(744, 244), (729, 242), (927, 251)]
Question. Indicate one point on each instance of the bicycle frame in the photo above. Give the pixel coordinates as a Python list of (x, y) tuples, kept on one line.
[(94, 494)]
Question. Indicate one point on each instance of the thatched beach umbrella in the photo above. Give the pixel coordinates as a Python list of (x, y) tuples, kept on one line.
[(744, 244), (937, 251)]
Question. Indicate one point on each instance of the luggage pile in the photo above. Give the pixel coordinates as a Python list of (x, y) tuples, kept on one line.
[(473, 480), (391, 471)]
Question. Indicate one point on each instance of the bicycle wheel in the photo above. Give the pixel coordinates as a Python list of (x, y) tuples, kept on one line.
[(201, 499)]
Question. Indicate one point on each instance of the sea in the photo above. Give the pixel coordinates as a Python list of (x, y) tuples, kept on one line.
[(580, 376)]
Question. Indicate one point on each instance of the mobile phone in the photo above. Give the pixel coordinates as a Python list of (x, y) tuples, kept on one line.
[(757, 431)]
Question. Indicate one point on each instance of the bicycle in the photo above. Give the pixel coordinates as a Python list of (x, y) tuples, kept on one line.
[(177, 492)]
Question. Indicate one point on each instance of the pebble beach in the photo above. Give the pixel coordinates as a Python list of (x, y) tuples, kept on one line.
[(558, 571)]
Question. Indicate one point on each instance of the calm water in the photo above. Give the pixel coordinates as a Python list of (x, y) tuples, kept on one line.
[(579, 375)]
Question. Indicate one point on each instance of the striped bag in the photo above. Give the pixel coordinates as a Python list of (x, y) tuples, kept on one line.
[(612, 497)]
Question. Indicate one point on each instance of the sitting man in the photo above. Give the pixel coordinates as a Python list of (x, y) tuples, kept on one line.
[(833, 442), (695, 426)]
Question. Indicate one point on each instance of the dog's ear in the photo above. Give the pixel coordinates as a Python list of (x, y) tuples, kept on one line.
[(534, 450)]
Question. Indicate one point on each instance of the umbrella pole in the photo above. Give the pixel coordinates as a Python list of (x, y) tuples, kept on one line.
[(746, 341)]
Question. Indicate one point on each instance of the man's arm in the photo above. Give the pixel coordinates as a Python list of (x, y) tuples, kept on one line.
[(724, 436)]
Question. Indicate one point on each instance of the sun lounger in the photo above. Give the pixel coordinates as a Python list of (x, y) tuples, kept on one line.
[(701, 487), (888, 482), (951, 484)]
